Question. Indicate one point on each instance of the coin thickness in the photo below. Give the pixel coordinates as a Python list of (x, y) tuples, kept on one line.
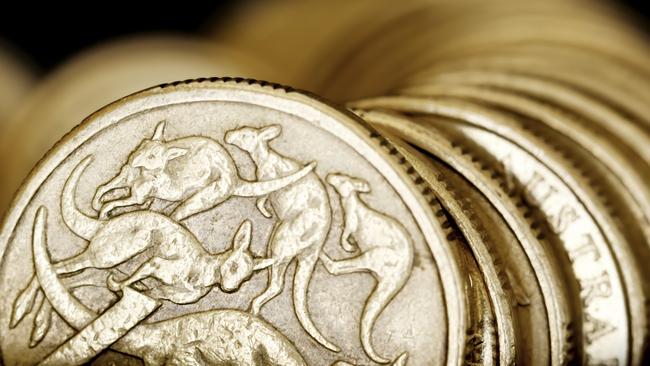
[(167, 225)]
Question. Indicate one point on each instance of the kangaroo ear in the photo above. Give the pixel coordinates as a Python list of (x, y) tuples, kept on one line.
[(175, 152), (159, 133), (242, 239), (270, 132), (361, 185)]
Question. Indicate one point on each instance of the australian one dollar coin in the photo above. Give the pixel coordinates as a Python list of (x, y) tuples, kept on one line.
[(227, 222)]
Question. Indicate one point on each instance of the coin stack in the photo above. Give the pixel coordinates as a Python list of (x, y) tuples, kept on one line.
[(477, 195)]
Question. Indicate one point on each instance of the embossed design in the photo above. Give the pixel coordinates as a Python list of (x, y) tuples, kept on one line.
[(386, 252), (211, 337), (196, 172), (146, 257), (304, 219)]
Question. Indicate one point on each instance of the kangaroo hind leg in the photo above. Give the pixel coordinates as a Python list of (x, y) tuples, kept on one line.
[(203, 200)]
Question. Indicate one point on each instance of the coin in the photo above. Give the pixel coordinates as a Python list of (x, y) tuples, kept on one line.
[(590, 220), (619, 87), (519, 308), (623, 130), (490, 332), (97, 77), (422, 38), (239, 168), (533, 242)]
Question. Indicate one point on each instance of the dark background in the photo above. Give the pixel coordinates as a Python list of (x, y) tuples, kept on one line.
[(47, 34)]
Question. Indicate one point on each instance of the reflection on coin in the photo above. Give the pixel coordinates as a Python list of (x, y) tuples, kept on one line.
[(98, 77), (143, 232)]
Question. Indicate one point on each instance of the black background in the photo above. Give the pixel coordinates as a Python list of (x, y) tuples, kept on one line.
[(47, 34)]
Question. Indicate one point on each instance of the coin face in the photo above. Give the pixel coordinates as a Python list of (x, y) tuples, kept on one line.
[(167, 227)]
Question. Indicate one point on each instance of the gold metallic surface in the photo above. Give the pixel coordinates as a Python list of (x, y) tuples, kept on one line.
[(480, 195)]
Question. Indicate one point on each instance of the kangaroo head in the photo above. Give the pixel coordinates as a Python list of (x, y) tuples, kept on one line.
[(250, 138), (238, 265), (346, 185), (153, 153)]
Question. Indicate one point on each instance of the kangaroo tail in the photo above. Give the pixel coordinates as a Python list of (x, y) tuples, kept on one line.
[(376, 303), (304, 270), (82, 225), (255, 189)]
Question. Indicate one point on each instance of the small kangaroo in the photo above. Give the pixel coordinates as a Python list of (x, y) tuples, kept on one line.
[(195, 171), (386, 252), (304, 219), (177, 259)]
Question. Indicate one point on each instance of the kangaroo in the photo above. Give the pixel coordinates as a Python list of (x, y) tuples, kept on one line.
[(186, 271), (196, 172), (213, 337), (304, 218), (386, 252)]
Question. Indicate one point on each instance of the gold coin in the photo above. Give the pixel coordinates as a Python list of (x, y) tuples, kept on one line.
[(149, 223), (547, 270), (556, 189), (516, 297)]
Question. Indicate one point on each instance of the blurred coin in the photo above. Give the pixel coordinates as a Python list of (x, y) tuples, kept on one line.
[(16, 79), (422, 38), (615, 84)]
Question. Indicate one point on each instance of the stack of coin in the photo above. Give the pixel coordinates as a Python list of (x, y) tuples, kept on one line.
[(479, 197)]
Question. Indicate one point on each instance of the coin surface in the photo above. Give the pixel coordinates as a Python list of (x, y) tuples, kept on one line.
[(145, 229)]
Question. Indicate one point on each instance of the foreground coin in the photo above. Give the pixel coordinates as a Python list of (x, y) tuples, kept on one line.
[(138, 232)]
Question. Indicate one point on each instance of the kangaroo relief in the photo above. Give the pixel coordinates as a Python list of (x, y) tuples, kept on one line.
[(149, 259), (185, 270), (303, 221), (195, 172), (385, 250)]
